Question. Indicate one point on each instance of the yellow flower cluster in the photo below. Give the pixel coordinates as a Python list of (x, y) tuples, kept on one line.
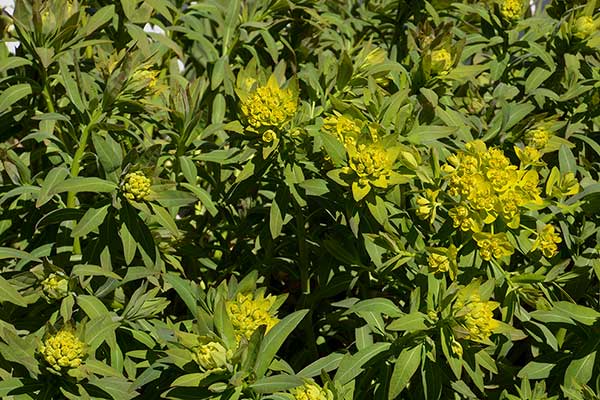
[(476, 316), (269, 105), (427, 205), (55, 286), (441, 61), (547, 241), (443, 259), (538, 137), (211, 355), (136, 186), (347, 129), (311, 391), (488, 186), (584, 27), (493, 245), (512, 9), (248, 313), (63, 350)]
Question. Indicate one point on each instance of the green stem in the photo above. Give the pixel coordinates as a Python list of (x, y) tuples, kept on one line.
[(303, 254), (47, 97), (71, 197)]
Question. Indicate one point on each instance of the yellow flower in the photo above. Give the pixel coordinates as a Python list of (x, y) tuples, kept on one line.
[(248, 313), (56, 286), (269, 105), (443, 259), (311, 391), (347, 129), (427, 205), (584, 27), (547, 241), (441, 61), (211, 355), (63, 350), (136, 186), (493, 245), (528, 155), (538, 138), (478, 318), (456, 348), (462, 219), (512, 9), (269, 136)]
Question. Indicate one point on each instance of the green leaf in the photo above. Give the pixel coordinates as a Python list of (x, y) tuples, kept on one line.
[(190, 380), (203, 196), (92, 306), (414, 321), (536, 78), (275, 220), (334, 148), (185, 290), (165, 219), (274, 339), (108, 151), (13, 94), (81, 184), (579, 372), (352, 365), (566, 160), (327, 364), (90, 221), (405, 367), (10, 294), (536, 370), (582, 314), (276, 383), (99, 18), (13, 62), (315, 187), (93, 270), (54, 177), (172, 198), (378, 305), (345, 71)]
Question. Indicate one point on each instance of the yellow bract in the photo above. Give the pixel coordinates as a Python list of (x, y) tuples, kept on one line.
[(136, 186), (443, 259), (441, 61), (269, 105), (55, 286), (512, 9), (211, 355), (427, 205), (311, 391), (248, 313), (584, 27), (547, 241), (347, 129), (489, 186), (493, 245), (475, 316), (63, 350)]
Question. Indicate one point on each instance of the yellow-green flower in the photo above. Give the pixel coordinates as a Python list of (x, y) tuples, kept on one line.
[(136, 186), (269, 136), (493, 245), (311, 391), (477, 318), (463, 219), (63, 350), (269, 105), (441, 61), (584, 27), (56, 286), (210, 355), (248, 313), (512, 9), (346, 128), (547, 241), (427, 205), (538, 137), (443, 259)]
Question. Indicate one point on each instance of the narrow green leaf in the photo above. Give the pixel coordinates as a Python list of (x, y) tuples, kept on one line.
[(13, 94), (90, 221), (352, 365), (81, 184), (54, 177), (405, 367), (276, 383), (10, 294)]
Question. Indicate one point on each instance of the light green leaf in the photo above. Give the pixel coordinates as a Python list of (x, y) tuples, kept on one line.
[(405, 367), (92, 219)]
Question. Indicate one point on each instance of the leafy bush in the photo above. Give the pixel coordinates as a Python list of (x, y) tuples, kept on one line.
[(277, 199)]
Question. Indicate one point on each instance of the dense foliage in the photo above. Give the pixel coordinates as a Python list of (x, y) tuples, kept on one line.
[(298, 199)]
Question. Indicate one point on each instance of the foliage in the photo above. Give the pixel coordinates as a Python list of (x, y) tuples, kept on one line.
[(291, 199)]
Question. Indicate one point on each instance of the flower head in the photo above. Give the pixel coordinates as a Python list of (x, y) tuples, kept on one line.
[(493, 245), (211, 355), (63, 350), (56, 286), (247, 313), (474, 315), (346, 128), (311, 391), (538, 137), (441, 61), (443, 259), (136, 186), (269, 105), (512, 9), (427, 205), (584, 27), (547, 241)]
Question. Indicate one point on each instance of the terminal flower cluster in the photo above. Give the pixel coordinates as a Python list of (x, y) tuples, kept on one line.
[(55, 286), (475, 316), (311, 391), (269, 106), (63, 350), (136, 186), (512, 9), (488, 186), (211, 355), (248, 312), (547, 241)]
